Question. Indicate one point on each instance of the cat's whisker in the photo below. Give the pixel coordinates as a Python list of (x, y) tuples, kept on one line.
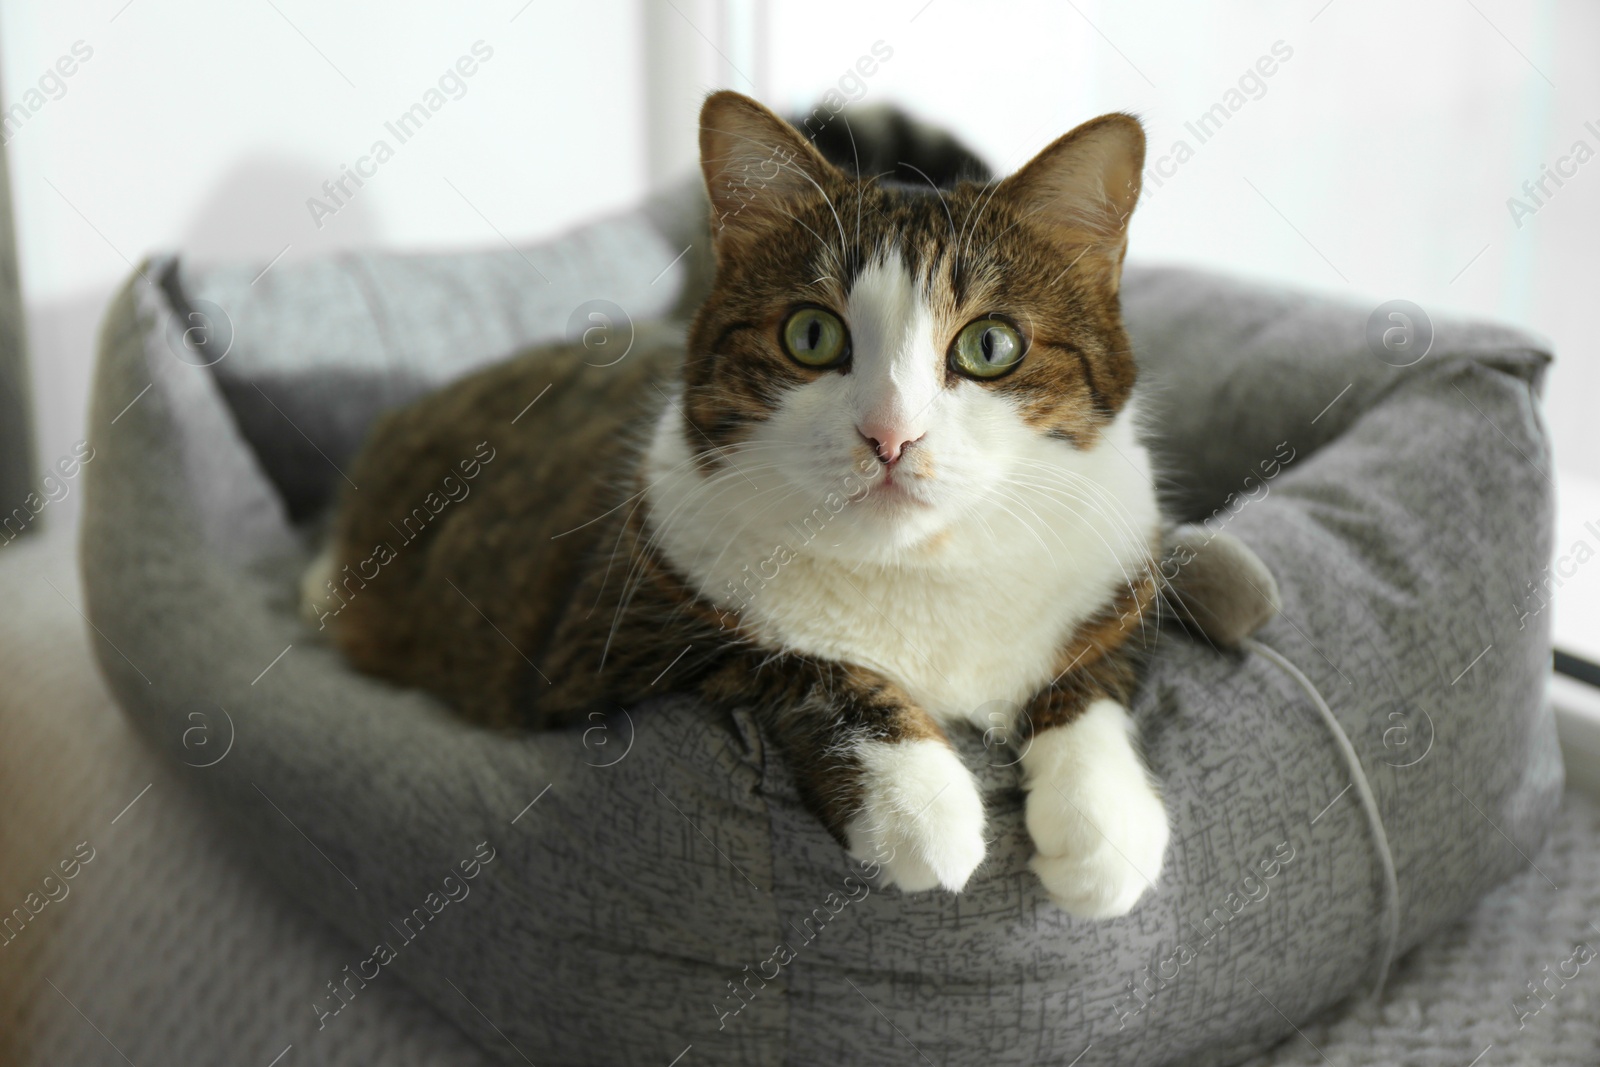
[(639, 496), (855, 157), (974, 216), (639, 500), (937, 192), (1111, 511), (1015, 223), (784, 165), (1103, 506), (759, 516), (802, 173), (663, 526), (640, 554), (717, 485), (1116, 514), (1027, 526)]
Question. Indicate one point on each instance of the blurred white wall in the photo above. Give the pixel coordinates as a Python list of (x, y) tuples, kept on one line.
[(206, 127), (1376, 160)]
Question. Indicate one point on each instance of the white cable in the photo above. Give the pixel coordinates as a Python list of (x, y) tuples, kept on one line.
[(1369, 803)]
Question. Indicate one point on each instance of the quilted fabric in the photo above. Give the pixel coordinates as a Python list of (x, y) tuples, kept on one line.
[(646, 870)]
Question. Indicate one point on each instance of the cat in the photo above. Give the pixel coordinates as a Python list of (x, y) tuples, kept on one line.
[(890, 480)]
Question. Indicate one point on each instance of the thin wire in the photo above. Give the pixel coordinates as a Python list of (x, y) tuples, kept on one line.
[(1369, 804)]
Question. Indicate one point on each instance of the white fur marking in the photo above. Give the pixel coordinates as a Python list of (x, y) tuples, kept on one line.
[(898, 372), (1097, 822), (921, 817)]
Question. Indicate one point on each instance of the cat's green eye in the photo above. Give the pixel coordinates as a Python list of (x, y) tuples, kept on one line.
[(815, 337), (986, 348)]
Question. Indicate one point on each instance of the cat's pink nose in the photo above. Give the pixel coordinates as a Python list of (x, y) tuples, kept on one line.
[(888, 443)]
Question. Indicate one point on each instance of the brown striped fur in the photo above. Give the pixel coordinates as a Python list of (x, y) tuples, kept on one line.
[(539, 596)]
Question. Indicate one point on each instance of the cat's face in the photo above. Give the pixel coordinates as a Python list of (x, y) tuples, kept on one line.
[(908, 350)]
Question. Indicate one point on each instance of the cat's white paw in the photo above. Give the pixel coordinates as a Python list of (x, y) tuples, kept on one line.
[(1099, 827), (921, 817)]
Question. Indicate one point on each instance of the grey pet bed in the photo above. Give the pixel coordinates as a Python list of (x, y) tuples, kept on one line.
[(646, 870)]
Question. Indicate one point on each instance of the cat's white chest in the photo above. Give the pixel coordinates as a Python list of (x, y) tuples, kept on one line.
[(970, 644), (970, 625)]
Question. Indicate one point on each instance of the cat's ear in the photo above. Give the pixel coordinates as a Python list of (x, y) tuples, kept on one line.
[(754, 162), (1083, 188)]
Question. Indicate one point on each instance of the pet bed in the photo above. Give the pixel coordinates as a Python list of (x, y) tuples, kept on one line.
[(649, 888)]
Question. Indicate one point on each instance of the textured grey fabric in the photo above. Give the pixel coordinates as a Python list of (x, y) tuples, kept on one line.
[(666, 855), (1463, 995), (180, 953), (168, 941)]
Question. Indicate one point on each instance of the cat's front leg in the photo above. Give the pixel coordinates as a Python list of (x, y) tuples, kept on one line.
[(1098, 824), (919, 814), (878, 771)]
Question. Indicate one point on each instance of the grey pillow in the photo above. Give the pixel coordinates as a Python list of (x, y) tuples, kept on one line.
[(656, 891)]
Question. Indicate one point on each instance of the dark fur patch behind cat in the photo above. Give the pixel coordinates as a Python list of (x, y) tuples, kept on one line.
[(886, 141)]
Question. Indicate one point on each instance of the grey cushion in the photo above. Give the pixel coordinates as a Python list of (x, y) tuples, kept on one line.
[(665, 855)]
